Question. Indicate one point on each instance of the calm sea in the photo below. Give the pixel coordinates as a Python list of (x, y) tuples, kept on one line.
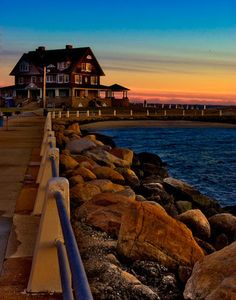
[(203, 157)]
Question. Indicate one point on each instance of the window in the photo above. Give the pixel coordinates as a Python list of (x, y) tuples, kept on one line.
[(24, 66), (86, 79), (86, 67), (33, 79), (63, 93), (49, 78), (21, 80), (94, 80), (66, 78), (78, 79), (89, 57), (86, 93), (60, 78), (63, 65)]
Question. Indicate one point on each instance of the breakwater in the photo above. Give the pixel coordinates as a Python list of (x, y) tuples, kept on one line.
[(224, 115), (141, 231)]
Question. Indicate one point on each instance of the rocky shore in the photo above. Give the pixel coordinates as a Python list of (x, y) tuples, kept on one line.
[(141, 233)]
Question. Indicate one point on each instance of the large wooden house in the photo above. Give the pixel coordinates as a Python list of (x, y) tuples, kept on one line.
[(72, 77)]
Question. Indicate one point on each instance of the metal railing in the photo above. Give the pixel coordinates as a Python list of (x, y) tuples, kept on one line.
[(56, 257)]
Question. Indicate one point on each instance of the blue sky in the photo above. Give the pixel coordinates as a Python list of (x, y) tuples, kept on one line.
[(150, 46)]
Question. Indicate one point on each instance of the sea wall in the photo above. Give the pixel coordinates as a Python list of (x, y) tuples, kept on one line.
[(141, 232)]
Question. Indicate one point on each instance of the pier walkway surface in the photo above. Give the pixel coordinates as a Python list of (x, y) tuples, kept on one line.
[(19, 164)]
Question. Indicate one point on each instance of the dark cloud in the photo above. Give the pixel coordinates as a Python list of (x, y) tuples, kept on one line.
[(144, 62)]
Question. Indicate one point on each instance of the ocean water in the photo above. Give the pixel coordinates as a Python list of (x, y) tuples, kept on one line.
[(203, 157)]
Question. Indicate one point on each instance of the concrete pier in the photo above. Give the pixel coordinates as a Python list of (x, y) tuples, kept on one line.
[(19, 164)]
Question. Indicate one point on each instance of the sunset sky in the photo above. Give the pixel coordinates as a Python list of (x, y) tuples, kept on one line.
[(169, 51)]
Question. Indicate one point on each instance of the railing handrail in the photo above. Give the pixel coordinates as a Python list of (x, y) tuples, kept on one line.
[(66, 246), (79, 278)]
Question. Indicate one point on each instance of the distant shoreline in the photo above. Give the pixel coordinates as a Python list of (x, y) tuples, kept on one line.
[(153, 123)]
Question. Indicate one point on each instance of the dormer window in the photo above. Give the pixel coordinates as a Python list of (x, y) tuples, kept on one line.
[(89, 57), (24, 66), (63, 65), (86, 67)]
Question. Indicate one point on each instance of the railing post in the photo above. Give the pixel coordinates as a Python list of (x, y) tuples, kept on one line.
[(44, 175), (49, 136), (48, 122), (45, 273), (67, 113), (59, 115), (77, 114)]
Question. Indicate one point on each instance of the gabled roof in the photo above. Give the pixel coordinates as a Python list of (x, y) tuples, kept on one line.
[(41, 57), (118, 88)]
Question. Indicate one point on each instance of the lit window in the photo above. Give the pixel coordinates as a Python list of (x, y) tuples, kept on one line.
[(86, 79), (94, 80), (89, 57), (86, 67), (78, 79)]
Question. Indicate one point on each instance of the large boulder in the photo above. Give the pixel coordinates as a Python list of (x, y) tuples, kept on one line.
[(147, 232), (183, 191), (108, 173), (130, 177), (76, 146), (104, 211), (183, 206), (75, 180), (125, 154), (80, 193), (223, 225), (214, 278), (106, 185), (85, 173), (74, 127), (67, 162), (86, 162), (197, 222), (103, 157), (61, 139), (127, 192)]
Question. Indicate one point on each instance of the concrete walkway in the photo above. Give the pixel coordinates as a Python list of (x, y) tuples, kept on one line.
[(19, 164)]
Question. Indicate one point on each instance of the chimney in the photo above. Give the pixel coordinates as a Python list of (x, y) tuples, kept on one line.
[(69, 46), (40, 49)]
